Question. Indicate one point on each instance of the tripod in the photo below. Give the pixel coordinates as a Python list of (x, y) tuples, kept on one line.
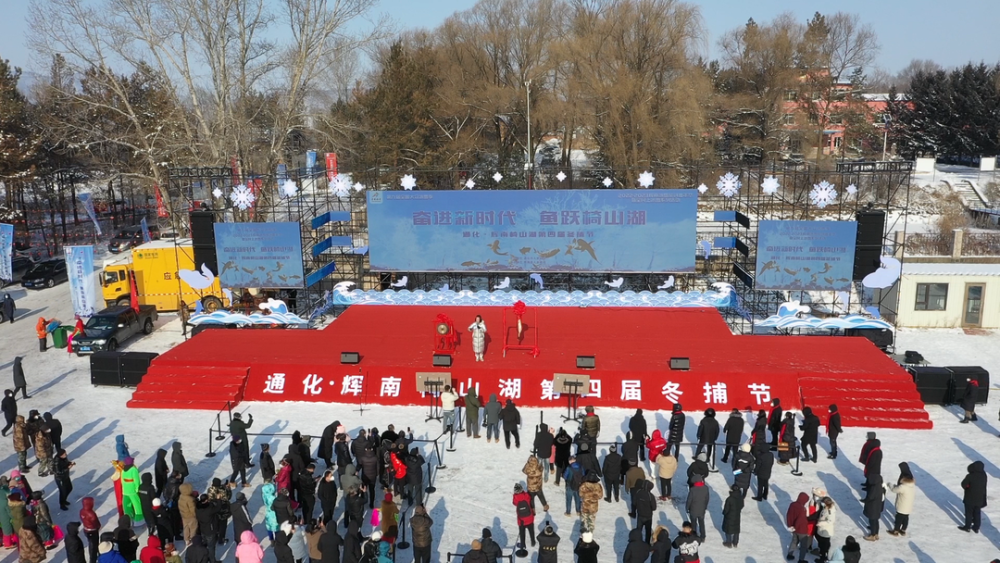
[(433, 389)]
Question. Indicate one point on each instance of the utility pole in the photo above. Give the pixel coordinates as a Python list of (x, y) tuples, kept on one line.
[(885, 133), (530, 161)]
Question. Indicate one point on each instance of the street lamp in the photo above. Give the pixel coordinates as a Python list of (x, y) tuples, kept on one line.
[(529, 160), (886, 118)]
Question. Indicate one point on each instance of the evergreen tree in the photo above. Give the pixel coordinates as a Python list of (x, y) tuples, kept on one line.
[(17, 140)]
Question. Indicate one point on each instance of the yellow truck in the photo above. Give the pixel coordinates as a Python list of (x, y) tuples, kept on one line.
[(156, 265)]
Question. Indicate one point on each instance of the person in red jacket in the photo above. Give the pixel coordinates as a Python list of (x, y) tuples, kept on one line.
[(91, 526), (796, 518), (153, 552), (399, 468), (525, 514), (656, 444)]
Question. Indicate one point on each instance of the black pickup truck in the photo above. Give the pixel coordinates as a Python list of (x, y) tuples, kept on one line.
[(112, 326)]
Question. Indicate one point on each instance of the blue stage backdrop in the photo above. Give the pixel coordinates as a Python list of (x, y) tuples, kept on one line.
[(533, 231), (810, 255), (259, 254)]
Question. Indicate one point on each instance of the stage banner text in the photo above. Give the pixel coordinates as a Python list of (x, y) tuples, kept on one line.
[(259, 255), (806, 255), (533, 231)]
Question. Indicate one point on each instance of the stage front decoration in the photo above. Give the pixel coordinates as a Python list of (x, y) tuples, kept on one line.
[(823, 194), (770, 185), (729, 184), (408, 182), (243, 197), (519, 309), (885, 276), (792, 314), (445, 337), (273, 312), (646, 179)]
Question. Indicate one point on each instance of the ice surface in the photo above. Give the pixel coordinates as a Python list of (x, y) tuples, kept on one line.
[(474, 490)]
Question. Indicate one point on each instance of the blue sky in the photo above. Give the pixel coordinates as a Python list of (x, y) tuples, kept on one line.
[(949, 33)]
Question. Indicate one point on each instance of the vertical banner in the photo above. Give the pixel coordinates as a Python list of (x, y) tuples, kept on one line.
[(161, 209), (331, 166), (80, 267), (88, 206), (145, 231), (6, 251), (310, 162), (282, 174)]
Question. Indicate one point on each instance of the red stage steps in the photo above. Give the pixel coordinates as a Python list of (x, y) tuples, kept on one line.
[(889, 401), (168, 386)]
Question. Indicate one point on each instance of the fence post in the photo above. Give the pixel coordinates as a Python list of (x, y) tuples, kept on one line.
[(402, 529), (430, 479), (211, 448)]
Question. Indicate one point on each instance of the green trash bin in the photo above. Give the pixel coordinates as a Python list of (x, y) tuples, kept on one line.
[(60, 336)]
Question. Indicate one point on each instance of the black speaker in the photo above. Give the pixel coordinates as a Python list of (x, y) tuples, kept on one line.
[(881, 337), (912, 357), (442, 360), (133, 366), (964, 373), (105, 369), (871, 228), (350, 357), (586, 362), (680, 363), (867, 259), (203, 240), (935, 385)]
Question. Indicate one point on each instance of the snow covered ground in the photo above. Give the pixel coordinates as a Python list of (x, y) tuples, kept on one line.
[(474, 490)]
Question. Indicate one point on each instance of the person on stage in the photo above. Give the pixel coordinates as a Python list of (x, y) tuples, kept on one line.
[(478, 330)]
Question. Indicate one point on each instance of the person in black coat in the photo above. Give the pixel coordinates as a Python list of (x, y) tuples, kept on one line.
[(743, 467), (369, 466), (128, 544), (19, 381), (415, 477), (874, 502), (197, 552), (147, 492), (177, 460), (788, 437), (548, 546), (810, 434), (969, 400), (9, 407), (563, 444), (661, 546), (764, 462), (161, 471), (544, 440), (306, 484), (354, 509), (586, 548), (759, 433), (612, 474), (637, 551), (8, 308), (326, 493), (873, 461), (639, 431), (734, 433), (630, 453), (698, 467), (675, 432), (686, 544), (267, 470), (353, 540), (329, 546), (241, 516), (325, 449), (164, 522), (588, 461), (282, 551), (55, 430), (974, 496), (342, 452), (74, 545), (833, 429), (238, 459), (732, 516), (708, 435), (644, 507), (282, 507), (774, 421), (511, 419), (207, 513)]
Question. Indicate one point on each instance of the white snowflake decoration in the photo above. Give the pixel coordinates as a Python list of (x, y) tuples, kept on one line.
[(702, 189), (729, 185), (470, 184), (408, 182), (497, 177), (607, 182), (560, 176), (852, 189), (646, 179), (823, 194), (770, 185), (217, 192), (358, 186), (289, 189), (342, 185), (242, 197)]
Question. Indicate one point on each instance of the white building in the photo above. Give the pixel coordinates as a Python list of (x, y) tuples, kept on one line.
[(949, 295)]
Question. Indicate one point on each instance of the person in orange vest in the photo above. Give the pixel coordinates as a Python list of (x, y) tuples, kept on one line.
[(42, 329)]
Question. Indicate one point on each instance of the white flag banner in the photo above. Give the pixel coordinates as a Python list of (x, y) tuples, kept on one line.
[(88, 206), (80, 266), (6, 251)]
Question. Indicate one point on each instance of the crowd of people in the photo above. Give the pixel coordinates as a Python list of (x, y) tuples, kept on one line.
[(374, 478)]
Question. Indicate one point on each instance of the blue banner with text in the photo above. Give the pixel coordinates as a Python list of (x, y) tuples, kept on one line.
[(808, 255)]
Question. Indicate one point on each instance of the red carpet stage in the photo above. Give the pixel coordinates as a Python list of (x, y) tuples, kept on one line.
[(632, 349)]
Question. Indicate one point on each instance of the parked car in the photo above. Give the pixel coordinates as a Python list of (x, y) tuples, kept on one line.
[(20, 265), (131, 237), (112, 326), (46, 274)]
